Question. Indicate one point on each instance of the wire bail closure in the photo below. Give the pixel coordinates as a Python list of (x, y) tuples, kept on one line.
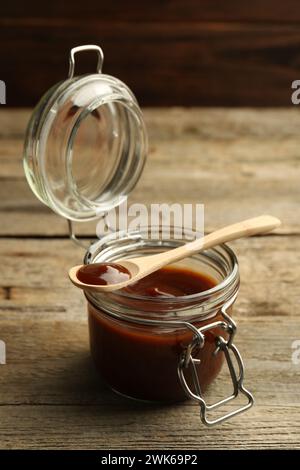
[(187, 360), (90, 47)]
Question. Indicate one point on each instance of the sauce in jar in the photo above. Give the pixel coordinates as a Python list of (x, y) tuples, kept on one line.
[(141, 362), (171, 282)]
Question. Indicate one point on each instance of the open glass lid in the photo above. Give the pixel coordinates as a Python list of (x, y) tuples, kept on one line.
[(86, 144)]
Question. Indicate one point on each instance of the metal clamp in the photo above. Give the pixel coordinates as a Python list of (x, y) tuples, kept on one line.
[(226, 346), (85, 48)]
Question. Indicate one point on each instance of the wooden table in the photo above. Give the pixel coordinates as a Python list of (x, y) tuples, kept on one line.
[(239, 163)]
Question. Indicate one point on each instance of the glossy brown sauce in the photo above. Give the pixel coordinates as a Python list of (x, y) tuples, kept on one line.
[(102, 274), (140, 361), (171, 282)]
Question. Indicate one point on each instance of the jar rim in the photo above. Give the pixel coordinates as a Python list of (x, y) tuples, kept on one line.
[(230, 280)]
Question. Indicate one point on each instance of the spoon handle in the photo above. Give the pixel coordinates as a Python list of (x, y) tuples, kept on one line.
[(246, 228)]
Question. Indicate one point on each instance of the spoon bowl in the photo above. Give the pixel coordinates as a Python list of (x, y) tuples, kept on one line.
[(130, 265)]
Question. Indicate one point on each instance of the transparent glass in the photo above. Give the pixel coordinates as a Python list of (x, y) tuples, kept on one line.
[(85, 146), (140, 359)]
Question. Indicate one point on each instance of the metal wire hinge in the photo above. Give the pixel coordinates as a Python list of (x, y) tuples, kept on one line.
[(78, 241), (74, 237), (227, 347)]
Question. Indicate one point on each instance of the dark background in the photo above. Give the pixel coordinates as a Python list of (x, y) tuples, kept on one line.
[(193, 52)]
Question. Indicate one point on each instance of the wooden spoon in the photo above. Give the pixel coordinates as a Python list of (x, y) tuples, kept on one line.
[(145, 265)]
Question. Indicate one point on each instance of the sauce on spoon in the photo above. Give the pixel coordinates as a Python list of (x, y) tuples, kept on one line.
[(102, 274)]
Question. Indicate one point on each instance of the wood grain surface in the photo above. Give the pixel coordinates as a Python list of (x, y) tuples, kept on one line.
[(239, 163), (186, 53)]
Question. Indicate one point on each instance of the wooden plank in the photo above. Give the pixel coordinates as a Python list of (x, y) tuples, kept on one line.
[(177, 63), (48, 361), (200, 155), (269, 269), (92, 427), (163, 124), (167, 11)]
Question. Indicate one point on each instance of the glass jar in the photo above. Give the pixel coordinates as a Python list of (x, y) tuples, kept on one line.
[(86, 144), (84, 151), (165, 349)]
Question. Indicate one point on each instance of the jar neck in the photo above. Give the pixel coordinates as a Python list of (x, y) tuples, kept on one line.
[(219, 262)]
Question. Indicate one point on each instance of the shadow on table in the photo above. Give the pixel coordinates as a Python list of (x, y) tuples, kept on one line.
[(79, 384)]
